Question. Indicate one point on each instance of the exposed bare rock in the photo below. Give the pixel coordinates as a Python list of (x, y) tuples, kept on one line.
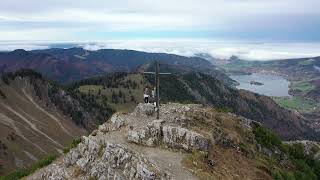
[(138, 146), (117, 121), (54, 172), (184, 138), (175, 137), (150, 135), (144, 109), (101, 160)]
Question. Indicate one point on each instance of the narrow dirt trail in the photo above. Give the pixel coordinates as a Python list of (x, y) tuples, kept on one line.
[(165, 159), (11, 123), (46, 112), (32, 125)]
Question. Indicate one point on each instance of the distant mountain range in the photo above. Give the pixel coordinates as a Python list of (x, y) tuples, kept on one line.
[(67, 65), (294, 69)]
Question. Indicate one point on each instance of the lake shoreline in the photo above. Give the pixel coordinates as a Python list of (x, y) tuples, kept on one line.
[(269, 84)]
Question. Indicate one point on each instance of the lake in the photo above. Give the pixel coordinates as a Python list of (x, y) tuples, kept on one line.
[(273, 85)]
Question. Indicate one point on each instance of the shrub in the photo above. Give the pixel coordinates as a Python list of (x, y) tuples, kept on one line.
[(224, 109), (296, 151), (2, 94), (18, 174), (305, 166), (74, 144), (266, 137), (5, 78), (283, 175)]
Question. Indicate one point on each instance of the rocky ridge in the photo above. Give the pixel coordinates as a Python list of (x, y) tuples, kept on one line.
[(138, 146)]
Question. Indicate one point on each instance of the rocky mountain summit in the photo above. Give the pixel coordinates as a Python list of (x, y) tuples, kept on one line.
[(138, 146), (189, 141)]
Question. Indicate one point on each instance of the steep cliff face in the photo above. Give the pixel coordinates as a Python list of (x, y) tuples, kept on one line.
[(187, 142)]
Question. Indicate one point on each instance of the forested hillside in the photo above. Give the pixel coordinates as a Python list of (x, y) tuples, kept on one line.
[(124, 90)]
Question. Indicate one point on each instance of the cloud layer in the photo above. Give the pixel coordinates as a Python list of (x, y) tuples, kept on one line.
[(186, 47), (217, 49)]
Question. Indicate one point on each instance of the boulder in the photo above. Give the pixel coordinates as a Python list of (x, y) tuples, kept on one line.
[(144, 109), (117, 121), (149, 135), (110, 161), (177, 137), (54, 172), (156, 133)]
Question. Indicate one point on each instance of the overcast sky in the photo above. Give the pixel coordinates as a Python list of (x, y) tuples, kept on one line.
[(264, 20), (252, 29)]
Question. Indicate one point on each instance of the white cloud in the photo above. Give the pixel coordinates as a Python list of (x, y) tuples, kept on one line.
[(218, 49), (189, 47), (12, 45)]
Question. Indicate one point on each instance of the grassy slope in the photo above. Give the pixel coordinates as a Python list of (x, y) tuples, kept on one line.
[(296, 103), (302, 86), (123, 96)]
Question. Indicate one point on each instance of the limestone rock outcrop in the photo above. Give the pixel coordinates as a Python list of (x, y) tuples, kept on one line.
[(155, 133), (129, 146)]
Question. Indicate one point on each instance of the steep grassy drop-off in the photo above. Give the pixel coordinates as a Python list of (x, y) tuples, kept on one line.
[(29, 129), (37, 118)]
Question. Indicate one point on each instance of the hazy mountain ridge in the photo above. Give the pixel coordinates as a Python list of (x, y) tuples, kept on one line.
[(67, 65), (293, 69)]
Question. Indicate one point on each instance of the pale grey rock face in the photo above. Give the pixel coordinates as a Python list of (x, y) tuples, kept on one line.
[(113, 150), (117, 121), (149, 135), (184, 139), (54, 172), (174, 137), (110, 161), (144, 109)]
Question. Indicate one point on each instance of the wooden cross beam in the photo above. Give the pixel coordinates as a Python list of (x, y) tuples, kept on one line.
[(157, 80)]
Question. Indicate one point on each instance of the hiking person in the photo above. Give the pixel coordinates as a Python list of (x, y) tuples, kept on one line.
[(146, 95)]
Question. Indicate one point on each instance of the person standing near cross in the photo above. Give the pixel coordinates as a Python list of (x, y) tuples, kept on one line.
[(146, 95), (157, 87)]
